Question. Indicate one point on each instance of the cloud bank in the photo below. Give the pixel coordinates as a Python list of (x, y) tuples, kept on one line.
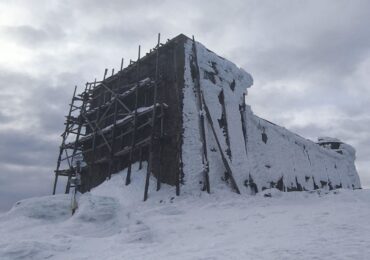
[(310, 63)]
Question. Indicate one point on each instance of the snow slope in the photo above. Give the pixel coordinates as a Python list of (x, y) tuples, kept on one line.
[(112, 222), (260, 154)]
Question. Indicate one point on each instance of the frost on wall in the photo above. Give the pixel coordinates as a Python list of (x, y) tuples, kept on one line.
[(283, 160), (260, 154)]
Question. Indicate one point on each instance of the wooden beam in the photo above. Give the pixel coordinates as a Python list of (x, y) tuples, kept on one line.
[(111, 155), (128, 177), (152, 136), (79, 128), (229, 173), (61, 149)]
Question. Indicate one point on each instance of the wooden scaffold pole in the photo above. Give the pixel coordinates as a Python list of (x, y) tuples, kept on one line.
[(152, 137), (64, 137), (133, 137), (84, 98), (111, 156)]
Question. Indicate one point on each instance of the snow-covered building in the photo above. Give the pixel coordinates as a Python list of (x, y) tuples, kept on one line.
[(184, 109)]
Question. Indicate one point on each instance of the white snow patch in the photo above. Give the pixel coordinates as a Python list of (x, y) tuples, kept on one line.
[(112, 222)]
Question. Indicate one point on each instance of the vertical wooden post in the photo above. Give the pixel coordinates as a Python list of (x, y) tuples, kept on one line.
[(121, 64), (105, 73), (141, 158), (179, 134), (111, 156), (79, 128), (224, 160), (160, 150), (133, 141), (61, 148), (152, 137), (244, 127), (92, 163)]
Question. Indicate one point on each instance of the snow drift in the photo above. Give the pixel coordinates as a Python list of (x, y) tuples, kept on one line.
[(112, 222)]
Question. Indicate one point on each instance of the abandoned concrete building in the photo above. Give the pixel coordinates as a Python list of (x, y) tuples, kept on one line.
[(183, 110)]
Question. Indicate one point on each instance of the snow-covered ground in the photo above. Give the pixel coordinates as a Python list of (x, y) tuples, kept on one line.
[(112, 222)]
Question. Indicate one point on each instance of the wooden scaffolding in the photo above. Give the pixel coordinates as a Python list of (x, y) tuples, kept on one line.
[(110, 125)]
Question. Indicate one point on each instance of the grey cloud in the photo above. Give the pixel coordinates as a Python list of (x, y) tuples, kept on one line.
[(49, 106), (330, 55), (9, 78), (303, 56), (297, 39), (4, 118), (116, 6), (18, 183), (33, 37), (122, 34), (24, 149)]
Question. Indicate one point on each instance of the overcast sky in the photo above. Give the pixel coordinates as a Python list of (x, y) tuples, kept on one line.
[(310, 61)]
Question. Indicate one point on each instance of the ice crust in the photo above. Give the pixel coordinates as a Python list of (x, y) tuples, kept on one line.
[(283, 160)]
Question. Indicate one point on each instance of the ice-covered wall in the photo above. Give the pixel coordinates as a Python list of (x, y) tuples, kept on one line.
[(278, 158), (260, 154)]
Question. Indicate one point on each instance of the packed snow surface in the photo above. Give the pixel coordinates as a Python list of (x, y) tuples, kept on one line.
[(112, 222)]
